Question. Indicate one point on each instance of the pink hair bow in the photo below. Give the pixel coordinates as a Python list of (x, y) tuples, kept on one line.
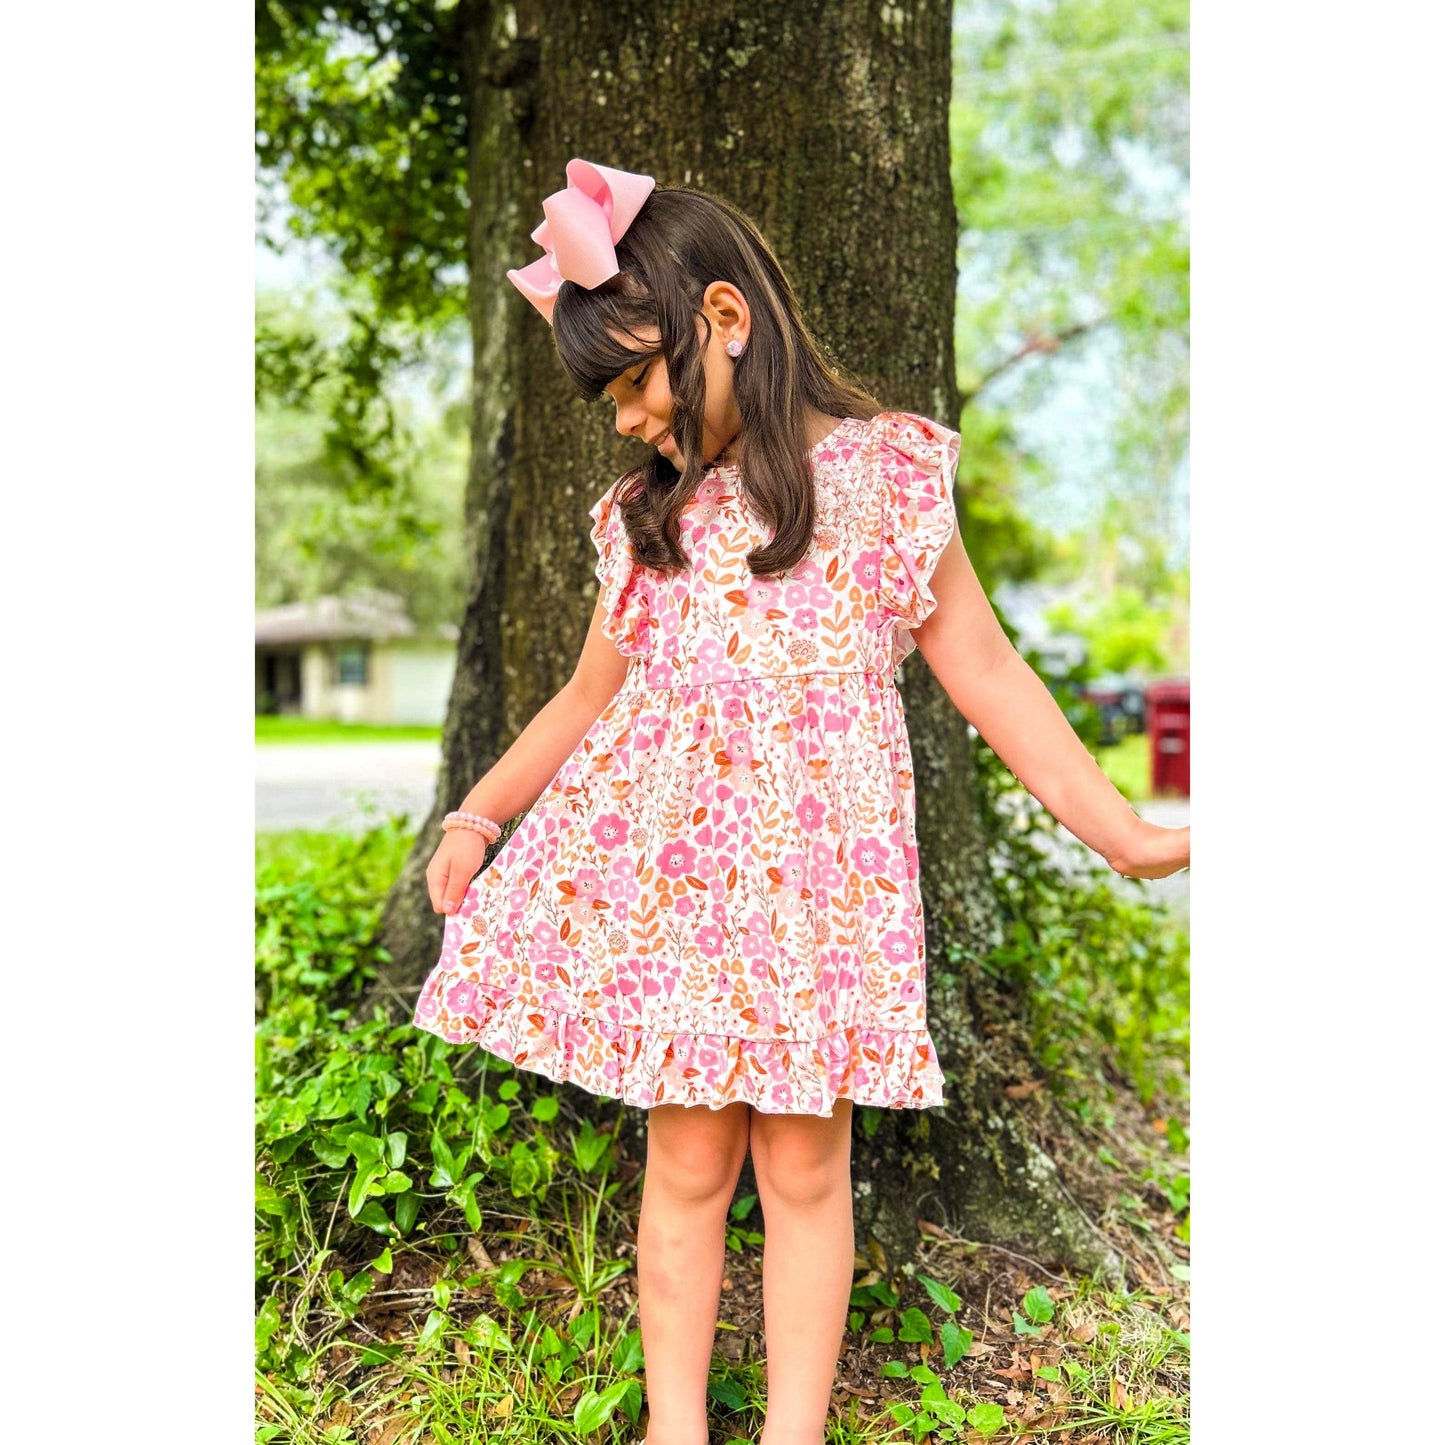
[(584, 222)]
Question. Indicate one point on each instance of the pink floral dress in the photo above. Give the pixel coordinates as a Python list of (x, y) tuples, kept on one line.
[(716, 898)]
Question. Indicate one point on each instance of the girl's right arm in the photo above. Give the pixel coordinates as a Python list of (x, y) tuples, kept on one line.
[(520, 775)]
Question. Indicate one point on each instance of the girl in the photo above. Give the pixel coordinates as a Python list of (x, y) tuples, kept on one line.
[(711, 909)]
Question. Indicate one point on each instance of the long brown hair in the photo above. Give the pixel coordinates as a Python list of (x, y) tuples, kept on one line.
[(680, 242)]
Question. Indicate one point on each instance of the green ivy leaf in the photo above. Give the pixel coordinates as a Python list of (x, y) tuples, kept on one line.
[(956, 1342), (1038, 1306), (914, 1328), (986, 1417), (941, 1295)]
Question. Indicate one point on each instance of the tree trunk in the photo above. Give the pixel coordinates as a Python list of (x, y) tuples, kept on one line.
[(829, 126)]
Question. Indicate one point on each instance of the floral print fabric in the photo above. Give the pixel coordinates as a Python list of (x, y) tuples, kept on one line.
[(716, 898)]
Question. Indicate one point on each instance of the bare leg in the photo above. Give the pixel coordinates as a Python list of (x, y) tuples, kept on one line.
[(694, 1155), (803, 1167)]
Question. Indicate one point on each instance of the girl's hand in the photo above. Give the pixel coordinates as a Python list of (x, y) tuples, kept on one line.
[(1154, 852), (455, 863)]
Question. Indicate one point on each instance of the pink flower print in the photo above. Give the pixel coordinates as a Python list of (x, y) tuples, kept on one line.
[(587, 885), (783, 1096), (734, 709), (707, 1057), (778, 1068), (910, 991), (874, 907), (747, 784), (676, 858), (755, 624), (426, 1008), (869, 857), (609, 831), (469, 904), (805, 618), (544, 972), (701, 729), (790, 904), (868, 568), (709, 940), (825, 871), (767, 1010), (739, 748), (461, 997), (684, 905), (811, 813), (793, 869), (547, 943), (763, 593), (757, 942), (517, 898), (835, 720), (810, 593), (900, 947), (758, 969)]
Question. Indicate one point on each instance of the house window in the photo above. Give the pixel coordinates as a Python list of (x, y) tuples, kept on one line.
[(351, 662)]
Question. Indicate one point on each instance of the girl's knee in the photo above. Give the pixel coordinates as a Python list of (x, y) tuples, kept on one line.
[(803, 1158), (696, 1152)]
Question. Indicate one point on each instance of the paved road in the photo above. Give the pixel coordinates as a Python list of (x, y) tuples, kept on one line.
[(329, 785), (332, 785)]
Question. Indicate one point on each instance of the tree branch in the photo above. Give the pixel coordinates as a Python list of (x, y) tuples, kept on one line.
[(1034, 344)]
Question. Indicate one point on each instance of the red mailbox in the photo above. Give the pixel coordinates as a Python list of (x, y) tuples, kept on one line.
[(1166, 720)]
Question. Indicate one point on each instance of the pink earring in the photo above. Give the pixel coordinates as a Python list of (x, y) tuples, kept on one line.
[(735, 347)]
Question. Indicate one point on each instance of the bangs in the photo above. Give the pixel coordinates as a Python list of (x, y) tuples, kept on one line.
[(582, 324)]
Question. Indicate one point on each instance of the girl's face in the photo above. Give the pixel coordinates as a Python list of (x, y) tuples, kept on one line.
[(643, 394)]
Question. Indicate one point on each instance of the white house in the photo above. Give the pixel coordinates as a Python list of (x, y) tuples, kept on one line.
[(353, 659)]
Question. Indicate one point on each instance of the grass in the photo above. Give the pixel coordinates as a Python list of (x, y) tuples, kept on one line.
[(1126, 765), (272, 729)]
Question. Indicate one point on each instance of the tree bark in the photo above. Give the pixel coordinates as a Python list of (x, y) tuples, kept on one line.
[(828, 124)]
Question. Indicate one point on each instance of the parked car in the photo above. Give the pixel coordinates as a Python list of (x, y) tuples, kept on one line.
[(1120, 700)]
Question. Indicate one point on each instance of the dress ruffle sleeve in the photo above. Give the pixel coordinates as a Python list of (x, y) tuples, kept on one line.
[(916, 461), (623, 594)]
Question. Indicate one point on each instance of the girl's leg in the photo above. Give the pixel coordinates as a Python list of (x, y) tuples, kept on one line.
[(694, 1155), (802, 1164)]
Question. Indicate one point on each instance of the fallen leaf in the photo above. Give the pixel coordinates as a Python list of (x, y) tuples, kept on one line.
[(1022, 1091), (1084, 1331), (478, 1252), (1119, 1396)]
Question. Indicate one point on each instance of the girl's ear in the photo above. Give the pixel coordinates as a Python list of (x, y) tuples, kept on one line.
[(726, 307)]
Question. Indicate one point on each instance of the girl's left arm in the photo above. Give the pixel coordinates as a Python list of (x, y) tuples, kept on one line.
[(1002, 696)]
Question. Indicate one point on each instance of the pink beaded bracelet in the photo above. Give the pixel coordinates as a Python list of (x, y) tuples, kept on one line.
[(485, 826)]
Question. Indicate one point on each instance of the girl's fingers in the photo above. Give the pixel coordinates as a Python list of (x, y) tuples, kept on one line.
[(436, 885), (455, 891)]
